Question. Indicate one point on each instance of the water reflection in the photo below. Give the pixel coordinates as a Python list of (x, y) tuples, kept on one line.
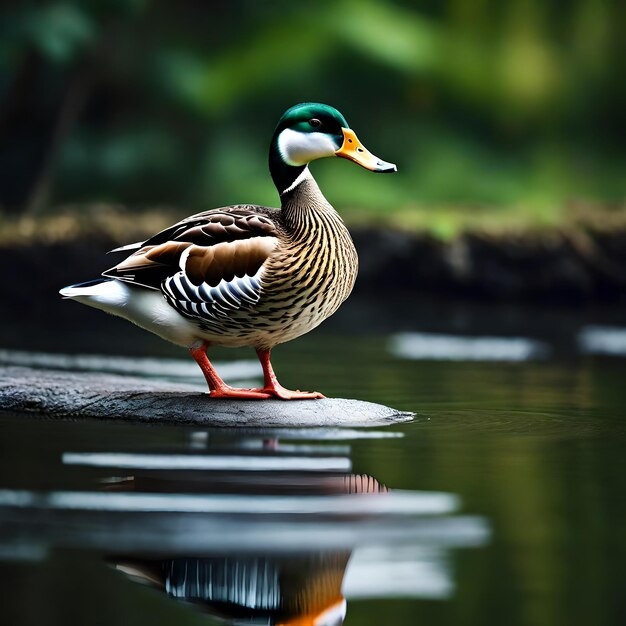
[(284, 586), (171, 370), (440, 347), (252, 527), (602, 340), (296, 589)]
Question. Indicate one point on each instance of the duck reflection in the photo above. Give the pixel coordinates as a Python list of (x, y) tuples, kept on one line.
[(302, 587), (267, 528)]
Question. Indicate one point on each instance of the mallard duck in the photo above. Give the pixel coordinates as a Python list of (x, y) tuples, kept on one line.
[(246, 275)]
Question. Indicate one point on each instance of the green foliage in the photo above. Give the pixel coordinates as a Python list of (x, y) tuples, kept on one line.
[(513, 106), (60, 32)]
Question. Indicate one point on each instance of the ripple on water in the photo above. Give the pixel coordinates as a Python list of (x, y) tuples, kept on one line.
[(429, 346), (602, 340), (180, 370)]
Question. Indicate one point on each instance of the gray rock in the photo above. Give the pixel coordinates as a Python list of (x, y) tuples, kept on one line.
[(70, 395)]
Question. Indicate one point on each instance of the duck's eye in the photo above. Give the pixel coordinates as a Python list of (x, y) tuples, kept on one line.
[(315, 123)]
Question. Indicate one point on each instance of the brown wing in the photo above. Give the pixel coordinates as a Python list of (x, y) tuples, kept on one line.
[(207, 264)]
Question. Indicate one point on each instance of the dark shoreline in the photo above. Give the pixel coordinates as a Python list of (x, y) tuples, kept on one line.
[(550, 266)]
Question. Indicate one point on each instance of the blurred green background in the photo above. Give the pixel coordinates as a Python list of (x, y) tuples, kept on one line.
[(495, 112)]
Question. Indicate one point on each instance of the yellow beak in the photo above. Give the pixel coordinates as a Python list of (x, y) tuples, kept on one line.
[(354, 150)]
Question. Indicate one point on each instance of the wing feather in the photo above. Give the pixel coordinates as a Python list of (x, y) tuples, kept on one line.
[(209, 264)]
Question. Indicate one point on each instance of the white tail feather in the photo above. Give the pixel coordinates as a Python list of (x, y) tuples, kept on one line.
[(106, 292), (130, 246), (145, 307)]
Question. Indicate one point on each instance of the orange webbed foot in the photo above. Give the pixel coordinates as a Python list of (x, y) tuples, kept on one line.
[(242, 394), (278, 391)]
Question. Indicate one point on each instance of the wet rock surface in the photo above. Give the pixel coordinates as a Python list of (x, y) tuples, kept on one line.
[(69, 395)]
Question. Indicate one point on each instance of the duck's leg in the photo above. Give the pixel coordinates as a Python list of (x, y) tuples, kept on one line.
[(217, 387), (272, 386)]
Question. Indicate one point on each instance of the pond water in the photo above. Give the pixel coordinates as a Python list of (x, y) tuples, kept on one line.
[(501, 503)]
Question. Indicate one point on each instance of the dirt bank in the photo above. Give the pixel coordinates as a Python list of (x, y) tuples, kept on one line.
[(583, 261)]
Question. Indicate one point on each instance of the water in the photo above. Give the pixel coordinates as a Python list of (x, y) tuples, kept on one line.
[(503, 502)]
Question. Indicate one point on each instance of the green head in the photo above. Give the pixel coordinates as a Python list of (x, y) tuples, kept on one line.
[(312, 131)]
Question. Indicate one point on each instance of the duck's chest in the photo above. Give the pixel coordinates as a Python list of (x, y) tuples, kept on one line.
[(320, 268), (309, 277)]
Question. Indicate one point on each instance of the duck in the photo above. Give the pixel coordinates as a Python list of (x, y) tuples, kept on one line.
[(246, 275)]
